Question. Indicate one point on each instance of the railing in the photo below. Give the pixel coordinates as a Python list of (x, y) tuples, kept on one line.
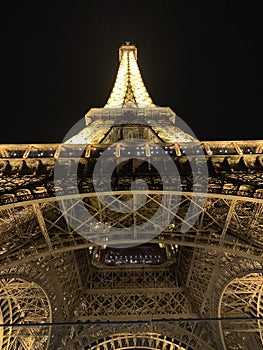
[(219, 148)]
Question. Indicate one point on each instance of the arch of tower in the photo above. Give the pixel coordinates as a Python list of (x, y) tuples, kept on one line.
[(69, 283)]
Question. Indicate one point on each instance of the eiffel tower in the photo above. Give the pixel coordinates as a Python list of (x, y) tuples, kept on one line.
[(138, 256)]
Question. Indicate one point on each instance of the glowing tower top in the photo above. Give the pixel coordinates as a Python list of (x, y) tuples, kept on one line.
[(129, 103), (129, 90)]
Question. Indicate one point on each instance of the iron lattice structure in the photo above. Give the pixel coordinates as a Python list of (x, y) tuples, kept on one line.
[(167, 293)]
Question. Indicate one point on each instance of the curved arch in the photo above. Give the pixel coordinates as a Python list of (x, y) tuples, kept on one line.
[(230, 224), (242, 298), (147, 341), (187, 335), (235, 270), (37, 274), (24, 302), (247, 197)]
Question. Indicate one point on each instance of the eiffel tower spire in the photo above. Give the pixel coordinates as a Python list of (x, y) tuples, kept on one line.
[(129, 89)]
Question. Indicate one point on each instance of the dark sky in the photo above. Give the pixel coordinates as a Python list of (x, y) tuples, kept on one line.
[(59, 58)]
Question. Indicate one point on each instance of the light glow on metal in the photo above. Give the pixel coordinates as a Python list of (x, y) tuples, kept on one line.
[(129, 89)]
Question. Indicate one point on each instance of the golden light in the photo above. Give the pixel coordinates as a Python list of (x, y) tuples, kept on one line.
[(129, 89)]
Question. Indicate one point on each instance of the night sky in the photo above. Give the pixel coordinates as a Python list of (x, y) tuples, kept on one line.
[(202, 58)]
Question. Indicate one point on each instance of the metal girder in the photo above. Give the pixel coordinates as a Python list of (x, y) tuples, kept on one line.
[(148, 277), (222, 224), (42, 224), (242, 297), (189, 335), (230, 268), (220, 229), (224, 149), (132, 294), (149, 341), (228, 220), (22, 301), (132, 304), (49, 273)]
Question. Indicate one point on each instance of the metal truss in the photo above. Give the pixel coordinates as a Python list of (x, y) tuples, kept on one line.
[(40, 274), (142, 278), (163, 335), (61, 279), (35, 229), (226, 296), (221, 149), (51, 269), (242, 297), (100, 294), (131, 341), (206, 279), (131, 304), (23, 302), (132, 294)]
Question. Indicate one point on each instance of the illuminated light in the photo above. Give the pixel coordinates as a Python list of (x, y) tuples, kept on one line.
[(129, 88)]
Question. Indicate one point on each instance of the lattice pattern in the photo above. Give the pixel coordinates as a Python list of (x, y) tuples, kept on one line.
[(51, 272), (190, 335), (129, 87), (141, 278), (131, 304), (222, 224), (23, 302), (145, 341), (243, 298)]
